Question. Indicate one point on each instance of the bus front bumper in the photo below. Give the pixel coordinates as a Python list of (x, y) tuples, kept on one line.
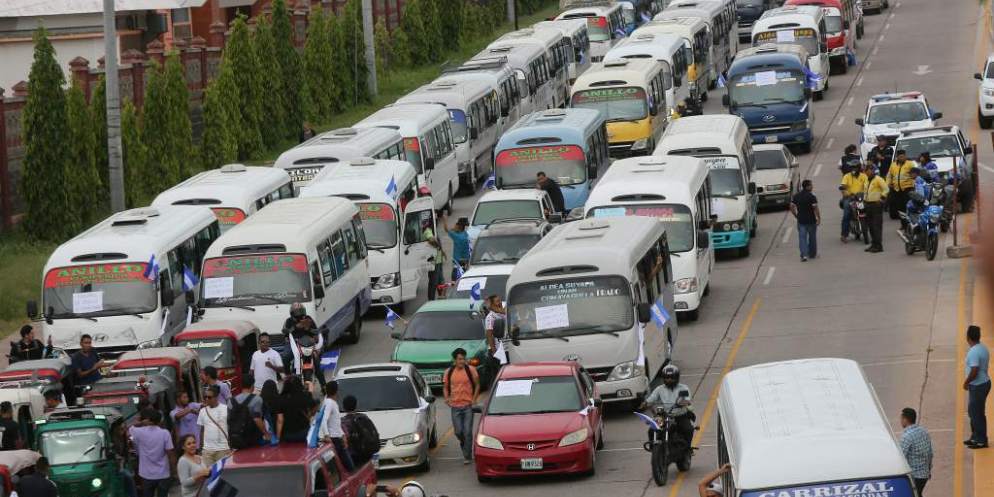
[(386, 296), (730, 239)]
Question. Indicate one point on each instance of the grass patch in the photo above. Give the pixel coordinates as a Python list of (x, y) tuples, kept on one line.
[(21, 264)]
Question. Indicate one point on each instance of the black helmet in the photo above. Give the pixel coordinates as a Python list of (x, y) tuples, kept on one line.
[(671, 372), (297, 310)]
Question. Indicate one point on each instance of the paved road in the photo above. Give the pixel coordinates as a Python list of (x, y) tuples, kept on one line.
[(897, 315)]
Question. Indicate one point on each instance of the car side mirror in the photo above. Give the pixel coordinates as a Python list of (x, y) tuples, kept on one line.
[(430, 399), (32, 309), (937, 115), (752, 188), (977, 76), (644, 314), (477, 409), (725, 100), (858, 121), (48, 314), (703, 239), (473, 133), (555, 218), (395, 335)]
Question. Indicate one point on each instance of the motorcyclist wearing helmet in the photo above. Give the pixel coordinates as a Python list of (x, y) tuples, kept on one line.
[(668, 397), (295, 328), (922, 192), (850, 159)]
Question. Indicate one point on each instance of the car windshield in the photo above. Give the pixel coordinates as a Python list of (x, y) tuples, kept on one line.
[(519, 167), (936, 146), (379, 222), (677, 219), (833, 24), (767, 87), (489, 285), (73, 446), (460, 130), (726, 182), (266, 481), (488, 212), (542, 394), (215, 351), (597, 29), (255, 280), (445, 325), (570, 306), (769, 159), (805, 37), (379, 393), (125, 402), (989, 73), (502, 249), (615, 104), (900, 112), (99, 290)]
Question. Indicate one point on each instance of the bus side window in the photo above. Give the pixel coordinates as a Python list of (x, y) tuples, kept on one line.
[(351, 244), (665, 275), (338, 250), (203, 239), (360, 236), (175, 270), (327, 268), (285, 191)]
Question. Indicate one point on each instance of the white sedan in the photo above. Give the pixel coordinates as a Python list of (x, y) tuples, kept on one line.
[(776, 175)]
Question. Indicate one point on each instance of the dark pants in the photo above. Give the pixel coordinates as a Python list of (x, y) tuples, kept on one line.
[(898, 203), (920, 485), (344, 454), (435, 277), (875, 222), (847, 217), (156, 488), (300, 436), (807, 236), (975, 408), (462, 425)]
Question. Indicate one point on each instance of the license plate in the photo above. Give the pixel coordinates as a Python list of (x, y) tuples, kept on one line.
[(433, 378), (771, 139), (531, 463)]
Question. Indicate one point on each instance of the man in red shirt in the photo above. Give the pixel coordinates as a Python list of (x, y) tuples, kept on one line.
[(461, 386)]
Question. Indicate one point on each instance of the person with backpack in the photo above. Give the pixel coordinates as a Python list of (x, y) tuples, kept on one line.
[(461, 387), (364, 440), (330, 429), (246, 426)]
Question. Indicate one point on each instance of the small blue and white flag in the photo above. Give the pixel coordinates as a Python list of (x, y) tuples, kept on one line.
[(620, 32), (490, 183), (721, 80), (457, 268), (474, 294), (659, 314), (329, 360), (313, 432), (646, 17), (151, 269), (190, 280), (391, 190), (216, 486), (811, 78), (391, 317), (648, 421)]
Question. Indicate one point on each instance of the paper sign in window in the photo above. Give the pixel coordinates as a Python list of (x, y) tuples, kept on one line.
[(219, 288), (466, 284), (785, 36), (85, 303), (766, 78), (553, 316), (511, 388)]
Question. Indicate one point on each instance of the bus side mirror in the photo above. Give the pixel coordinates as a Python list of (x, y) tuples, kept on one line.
[(937, 115), (48, 315), (752, 188), (653, 109), (859, 121), (555, 218), (644, 314), (473, 133), (807, 93), (32, 309), (429, 163), (703, 239), (725, 100)]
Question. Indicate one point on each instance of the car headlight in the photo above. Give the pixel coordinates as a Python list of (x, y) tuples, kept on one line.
[(640, 144), (685, 285), (624, 371), (488, 442), (988, 92), (408, 439), (776, 188), (151, 344), (578, 436), (389, 280), (96, 483)]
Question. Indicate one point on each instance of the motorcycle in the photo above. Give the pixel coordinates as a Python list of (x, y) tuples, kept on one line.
[(857, 224), (307, 345), (920, 225), (665, 445)]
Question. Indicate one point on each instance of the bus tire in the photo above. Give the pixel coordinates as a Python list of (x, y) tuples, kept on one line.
[(744, 251), (355, 329)]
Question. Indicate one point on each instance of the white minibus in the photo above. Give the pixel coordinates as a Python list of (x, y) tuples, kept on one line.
[(723, 20), (697, 47), (514, 102), (557, 54), (428, 145), (676, 191), (531, 67), (605, 25), (385, 191), (123, 281), (597, 291), (668, 49), (474, 113), (233, 192), (802, 25), (304, 161), (725, 144), (807, 428), (575, 31), (306, 250)]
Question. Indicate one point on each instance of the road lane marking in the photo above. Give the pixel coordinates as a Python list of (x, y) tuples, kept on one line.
[(831, 141), (985, 167), (849, 100), (840, 120), (868, 64), (709, 410), (875, 50), (786, 235), (817, 170), (881, 38), (887, 26), (960, 393), (859, 81), (769, 275), (441, 443)]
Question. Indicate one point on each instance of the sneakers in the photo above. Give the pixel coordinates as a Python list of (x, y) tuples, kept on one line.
[(466, 462), (972, 444), (804, 259)]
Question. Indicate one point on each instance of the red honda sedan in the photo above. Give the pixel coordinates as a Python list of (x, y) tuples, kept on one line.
[(540, 418)]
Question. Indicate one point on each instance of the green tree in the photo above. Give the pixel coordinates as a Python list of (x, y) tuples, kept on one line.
[(341, 77), (317, 54), (86, 191), (222, 120), (431, 19), (290, 69), (135, 156), (273, 98), (98, 109), (416, 47), (49, 215), (166, 129), (247, 72), (355, 50), (451, 19), (384, 49)]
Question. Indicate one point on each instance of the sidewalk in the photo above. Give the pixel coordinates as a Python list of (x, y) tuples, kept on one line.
[(983, 460)]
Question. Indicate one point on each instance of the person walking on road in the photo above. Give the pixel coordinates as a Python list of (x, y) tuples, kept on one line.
[(550, 186), (295, 407), (916, 444), (364, 439), (190, 468), (804, 207), (154, 445), (978, 384), (245, 421), (461, 387), (331, 425), (213, 422), (266, 363), (874, 199)]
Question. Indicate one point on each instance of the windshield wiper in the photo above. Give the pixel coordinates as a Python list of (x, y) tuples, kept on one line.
[(376, 246), (236, 306), (70, 315), (548, 411), (89, 449)]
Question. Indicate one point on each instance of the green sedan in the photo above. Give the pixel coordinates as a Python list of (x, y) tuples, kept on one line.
[(438, 328)]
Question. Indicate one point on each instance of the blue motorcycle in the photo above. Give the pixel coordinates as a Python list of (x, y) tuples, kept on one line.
[(921, 225)]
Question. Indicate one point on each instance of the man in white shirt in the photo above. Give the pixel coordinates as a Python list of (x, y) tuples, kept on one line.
[(213, 422), (266, 363), (331, 426)]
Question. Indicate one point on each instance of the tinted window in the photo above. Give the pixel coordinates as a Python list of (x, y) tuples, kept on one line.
[(502, 249), (571, 306), (445, 325), (769, 159), (379, 393)]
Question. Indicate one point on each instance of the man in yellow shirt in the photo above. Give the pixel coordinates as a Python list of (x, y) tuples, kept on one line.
[(874, 197), (900, 181), (853, 183)]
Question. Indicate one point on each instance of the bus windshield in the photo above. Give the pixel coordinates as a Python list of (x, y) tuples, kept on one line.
[(615, 104), (379, 221), (805, 37), (573, 306), (518, 167), (726, 182), (677, 219), (99, 290), (767, 87), (459, 127), (597, 29), (256, 280), (412, 152)]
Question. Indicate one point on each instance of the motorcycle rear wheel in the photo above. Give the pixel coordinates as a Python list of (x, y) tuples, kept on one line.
[(931, 246), (660, 464)]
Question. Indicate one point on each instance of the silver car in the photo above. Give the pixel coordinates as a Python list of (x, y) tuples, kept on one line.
[(776, 175), (399, 402)]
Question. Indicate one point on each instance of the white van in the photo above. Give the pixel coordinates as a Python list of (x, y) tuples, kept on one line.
[(668, 49), (697, 49), (722, 19), (428, 145), (725, 144), (306, 250), (597, 291), (514, 102), (557, 53), (474, 112), (807, 427), (676, 191), (802, 25), (516, 203), (305, 161), (531, 67), (122, 281), (575, 31), (605, 26), (385, 191), (233, 192)]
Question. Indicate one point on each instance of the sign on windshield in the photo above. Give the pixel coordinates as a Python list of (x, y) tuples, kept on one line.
[(765, 78), (785, 35), (98, 273), (608, 94), (378, 212), (227, 266), (723, 162)]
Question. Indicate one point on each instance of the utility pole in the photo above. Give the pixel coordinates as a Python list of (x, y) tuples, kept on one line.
[(512, 12), (115, 160), (367, 33)]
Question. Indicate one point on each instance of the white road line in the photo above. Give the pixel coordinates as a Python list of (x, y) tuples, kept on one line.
[(875, 50), (831, 141), (849, 100), (769, 275), (881, 39), (887, 26), (987, 168), (867, 65), (859, 81), (816, 170), (897, 5), (786, 235), (840, 120)]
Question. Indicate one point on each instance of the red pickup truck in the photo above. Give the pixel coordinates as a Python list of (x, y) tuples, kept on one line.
[(293, 470)]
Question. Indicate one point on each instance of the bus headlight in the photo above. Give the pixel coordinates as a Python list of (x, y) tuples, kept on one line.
[(640, 144), (389, 280), (96, 483), (624, 371), (685, 285), (489, 442)]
